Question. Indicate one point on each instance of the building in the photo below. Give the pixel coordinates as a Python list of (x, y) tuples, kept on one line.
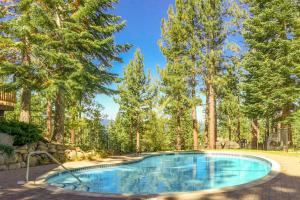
[(7, 102)]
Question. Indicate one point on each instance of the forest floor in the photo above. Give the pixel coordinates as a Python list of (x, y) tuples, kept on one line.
[(285, 186)]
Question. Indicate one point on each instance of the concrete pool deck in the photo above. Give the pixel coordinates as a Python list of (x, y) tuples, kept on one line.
[(284, 186)]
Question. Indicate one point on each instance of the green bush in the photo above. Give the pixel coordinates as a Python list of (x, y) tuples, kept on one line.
[(24, 133), (6, 149)]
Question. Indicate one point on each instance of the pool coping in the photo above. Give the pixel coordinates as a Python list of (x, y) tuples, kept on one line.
[(275, 170)]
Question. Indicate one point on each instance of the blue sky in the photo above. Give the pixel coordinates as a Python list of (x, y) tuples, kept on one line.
[(143, 20)]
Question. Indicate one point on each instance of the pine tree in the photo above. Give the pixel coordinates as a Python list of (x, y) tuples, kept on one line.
[(211, 18), (78, 48), (175, 77), (19, 39), (270, 82), (229, 93), (134, 98), (194, 46)]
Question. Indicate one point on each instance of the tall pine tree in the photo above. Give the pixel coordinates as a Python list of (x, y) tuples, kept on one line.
[(174, 77), (271, 85), (134, 97)]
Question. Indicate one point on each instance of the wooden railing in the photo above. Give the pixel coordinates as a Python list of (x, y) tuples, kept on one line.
[(7, 100)]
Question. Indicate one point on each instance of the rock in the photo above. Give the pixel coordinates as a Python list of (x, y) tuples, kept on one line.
[(32, 147), (89, 155), (233, 145), (59, 157), (20, 157), (3, 167), (23, 164), (14, 166), (33, 161), (78, 149), (70, 155), (41, 143), (51, 145), (60, 147), (24, 157), (80, 155), (42, 147), (6, 139), (52, 150), (2, 157), (14, 158), (226, 144), (61, 152), (44, 160), (23, 149)]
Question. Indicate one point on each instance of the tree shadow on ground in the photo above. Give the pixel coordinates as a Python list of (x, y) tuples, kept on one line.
[(283, 187)]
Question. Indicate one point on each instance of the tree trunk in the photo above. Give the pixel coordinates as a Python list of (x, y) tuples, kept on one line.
[(25, 105), (194, 111), (229, 129), (49, 119), (195, 128), (26, 91), (206, 139), (286, 126), (138, 150), (178, 134), (72, 136), (131, 138), (290, 135), (59, 118), (211, 117), (238, 129), (255, 132), (267, 133)]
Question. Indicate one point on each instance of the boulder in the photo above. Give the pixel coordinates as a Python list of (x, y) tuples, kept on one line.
[(23, 164), (3, 167), (6, 139), (42, 147), (60, 152), (14, 166), (24, 157), (2, 159), (14, 158), (233, 145), (226, 144), (80, 155), (44, 160), (32, 147), (33, 161), (41, 143), (23, 149), (59, 157), (51, 146), (60, 147), (51, 150), (70, 155)]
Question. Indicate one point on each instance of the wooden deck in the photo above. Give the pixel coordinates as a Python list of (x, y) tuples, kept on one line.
[(7, 100)]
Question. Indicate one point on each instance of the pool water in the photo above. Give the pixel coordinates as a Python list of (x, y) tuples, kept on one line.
[(167, 173)]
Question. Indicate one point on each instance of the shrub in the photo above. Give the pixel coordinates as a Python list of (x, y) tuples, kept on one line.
[(6, 149), (24, 133)]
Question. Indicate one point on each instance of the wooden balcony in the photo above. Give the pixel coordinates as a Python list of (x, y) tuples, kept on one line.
[(7, 100)]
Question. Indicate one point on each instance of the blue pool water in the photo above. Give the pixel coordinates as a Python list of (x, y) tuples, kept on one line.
[(168, 173)]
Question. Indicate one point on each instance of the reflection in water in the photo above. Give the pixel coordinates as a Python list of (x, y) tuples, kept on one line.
[(169, 173)]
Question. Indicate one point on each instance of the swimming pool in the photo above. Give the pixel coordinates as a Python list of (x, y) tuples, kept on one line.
[(167, 173)]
